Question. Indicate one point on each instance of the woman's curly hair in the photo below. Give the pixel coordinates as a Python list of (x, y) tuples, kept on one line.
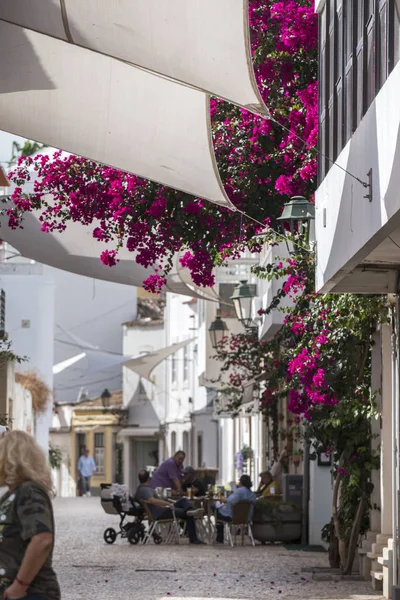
[(22, 459)]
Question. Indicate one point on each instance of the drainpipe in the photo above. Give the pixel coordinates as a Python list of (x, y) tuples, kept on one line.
[(395, 416), (306, 493)]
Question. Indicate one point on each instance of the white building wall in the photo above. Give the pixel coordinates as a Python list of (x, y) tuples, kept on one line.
[(348, 226), (22, 413), (30, 325)]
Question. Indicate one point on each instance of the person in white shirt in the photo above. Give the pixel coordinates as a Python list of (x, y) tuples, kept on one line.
[(86, 468), (279, 468)]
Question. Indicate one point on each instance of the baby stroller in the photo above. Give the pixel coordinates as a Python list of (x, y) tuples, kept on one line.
[(115, 500)]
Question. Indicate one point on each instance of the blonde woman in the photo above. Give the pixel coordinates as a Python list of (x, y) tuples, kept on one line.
[(26, 521)]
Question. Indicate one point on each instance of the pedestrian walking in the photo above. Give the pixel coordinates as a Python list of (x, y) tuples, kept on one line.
[(86, 468), (26, 521)]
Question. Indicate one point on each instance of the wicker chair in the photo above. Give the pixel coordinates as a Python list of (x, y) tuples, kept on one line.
[(240, 518), (170, 524)]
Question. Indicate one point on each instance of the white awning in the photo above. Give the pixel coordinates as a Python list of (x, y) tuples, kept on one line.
[(144, 365), (96, 359), (76, 250), (201, 43), (97, 99)]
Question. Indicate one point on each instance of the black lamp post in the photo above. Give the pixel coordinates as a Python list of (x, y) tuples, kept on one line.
[(243, 300), (298, 214), (217, 330), (105, 398)]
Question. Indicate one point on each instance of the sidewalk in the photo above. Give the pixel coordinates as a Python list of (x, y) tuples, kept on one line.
[(89, 569)]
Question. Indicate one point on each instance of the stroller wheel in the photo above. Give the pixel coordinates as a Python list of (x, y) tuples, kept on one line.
[(157, 539), (134, 536), (110, 535)]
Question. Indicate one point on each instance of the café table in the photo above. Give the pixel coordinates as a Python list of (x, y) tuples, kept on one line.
[(207, 525)]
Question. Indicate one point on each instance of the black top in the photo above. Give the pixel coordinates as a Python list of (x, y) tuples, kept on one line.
[(198, 484)]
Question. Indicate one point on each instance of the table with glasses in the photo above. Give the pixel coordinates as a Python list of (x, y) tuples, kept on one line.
[(206, 526)]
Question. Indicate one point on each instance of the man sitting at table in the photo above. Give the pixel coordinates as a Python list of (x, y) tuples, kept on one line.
[(242, 493), (267, 487), (169, 473), (191, 481), (162, 509)]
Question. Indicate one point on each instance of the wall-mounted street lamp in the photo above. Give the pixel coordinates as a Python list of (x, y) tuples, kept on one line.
[(217, 330), (243, 301), (106, 398), (297, 216)]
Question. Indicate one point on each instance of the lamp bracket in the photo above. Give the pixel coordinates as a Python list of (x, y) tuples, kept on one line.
[(368, 186)]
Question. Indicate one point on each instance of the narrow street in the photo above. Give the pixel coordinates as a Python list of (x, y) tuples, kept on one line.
[(89, 569)]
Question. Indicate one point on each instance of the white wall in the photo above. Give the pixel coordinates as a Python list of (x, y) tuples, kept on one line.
[(272, 322), (30, 298), (63, 482), (355, 226), (22, 413)]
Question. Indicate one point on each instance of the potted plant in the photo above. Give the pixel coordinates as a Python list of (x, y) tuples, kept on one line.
[(276, 521), (296, 457)]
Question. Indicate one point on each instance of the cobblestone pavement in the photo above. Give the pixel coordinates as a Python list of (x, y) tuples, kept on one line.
[(89, 569)]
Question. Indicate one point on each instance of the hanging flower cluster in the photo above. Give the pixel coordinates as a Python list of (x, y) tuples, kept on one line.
[(260, 161)]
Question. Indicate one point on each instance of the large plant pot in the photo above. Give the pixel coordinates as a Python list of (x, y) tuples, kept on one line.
[(280, 522), (277, 532)]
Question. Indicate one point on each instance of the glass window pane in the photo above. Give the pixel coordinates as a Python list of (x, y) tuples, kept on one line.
[(396, 54), (382, 47), (371, 62), (360, 19)]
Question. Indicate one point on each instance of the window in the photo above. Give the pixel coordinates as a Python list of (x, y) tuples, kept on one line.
[(225, 291), (199, 449), (99, 452), (185, 444), (186, 363), (395, 36), (173, 443), (348, 53), (359, 44)]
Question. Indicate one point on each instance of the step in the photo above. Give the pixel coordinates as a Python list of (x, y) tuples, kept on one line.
[(373, 555), (367, 545), (372, 535), (382, 538), (390, 543), (377, 575), (386, 553), (383, 561), (378, 548)]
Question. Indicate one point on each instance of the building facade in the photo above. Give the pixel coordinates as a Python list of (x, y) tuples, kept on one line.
[(358, 217)]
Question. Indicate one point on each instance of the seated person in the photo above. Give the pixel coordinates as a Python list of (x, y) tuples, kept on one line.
[(162, 509), (190, 481), (267, 487), (169, 473), (280, 467), (242, 493)]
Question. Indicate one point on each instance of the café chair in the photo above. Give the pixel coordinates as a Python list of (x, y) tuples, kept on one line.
[(240, 520), (171, 526)]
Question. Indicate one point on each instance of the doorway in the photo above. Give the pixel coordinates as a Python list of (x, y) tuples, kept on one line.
[(145, 454), (80, 441)]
